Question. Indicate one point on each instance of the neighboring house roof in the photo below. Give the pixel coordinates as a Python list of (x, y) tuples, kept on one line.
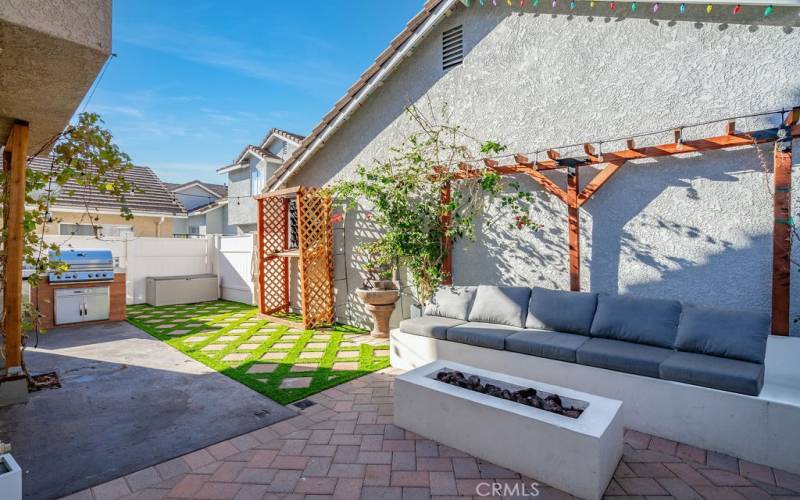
[(262, 154), (204, 209), (152, 198), (218, 190), (415, 31), (289, 136)]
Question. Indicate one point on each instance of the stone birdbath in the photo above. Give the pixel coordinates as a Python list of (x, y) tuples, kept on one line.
[(380, 301)]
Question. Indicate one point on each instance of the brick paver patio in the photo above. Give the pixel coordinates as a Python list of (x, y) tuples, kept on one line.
[(345, 447)]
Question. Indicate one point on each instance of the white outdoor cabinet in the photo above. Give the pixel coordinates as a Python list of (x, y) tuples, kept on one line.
[(76, 305), (168, 290), (10, 478)]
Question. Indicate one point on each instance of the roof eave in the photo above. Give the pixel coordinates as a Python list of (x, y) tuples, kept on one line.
[(340, 115)]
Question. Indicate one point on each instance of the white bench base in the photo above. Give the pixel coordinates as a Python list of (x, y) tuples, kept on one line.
[(576, 455), (761, 429)]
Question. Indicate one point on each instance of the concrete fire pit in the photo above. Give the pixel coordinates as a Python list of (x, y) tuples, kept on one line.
[(577, 455)]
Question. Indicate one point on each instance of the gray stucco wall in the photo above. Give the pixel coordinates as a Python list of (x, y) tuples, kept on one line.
[(696, 229), (241, 207)]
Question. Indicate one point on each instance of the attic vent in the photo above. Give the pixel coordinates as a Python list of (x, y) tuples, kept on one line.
[(452, 47)]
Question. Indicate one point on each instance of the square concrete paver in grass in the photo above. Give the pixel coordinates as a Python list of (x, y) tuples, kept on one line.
[(261, 354), (262, 368), (295, 383)]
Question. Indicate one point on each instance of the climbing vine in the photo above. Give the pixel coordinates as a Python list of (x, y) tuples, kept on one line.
[(403, 196)]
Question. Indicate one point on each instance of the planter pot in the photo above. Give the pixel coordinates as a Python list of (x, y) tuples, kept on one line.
[(379, 302), (10, 478), (416, 310)]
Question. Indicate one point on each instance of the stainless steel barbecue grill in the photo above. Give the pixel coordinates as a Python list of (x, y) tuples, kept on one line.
[(83, 265)]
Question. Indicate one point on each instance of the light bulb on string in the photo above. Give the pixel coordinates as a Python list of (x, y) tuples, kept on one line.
[(510, 3), (768, 10), (682, 8), (613, 6), (522, 4), (591, 4), (737, 9), (572, 5), (709, 8), (554, 3), (656, 6), (634, 7), (494, 3)]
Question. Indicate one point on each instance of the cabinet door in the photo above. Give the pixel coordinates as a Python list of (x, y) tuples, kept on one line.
[(96, 304), (69, 309)]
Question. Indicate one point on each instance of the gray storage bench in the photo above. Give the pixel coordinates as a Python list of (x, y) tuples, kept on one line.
[(657, 338)]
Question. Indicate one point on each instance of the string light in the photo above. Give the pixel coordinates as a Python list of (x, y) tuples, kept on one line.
[(709, 8), (683, 8), (535, 3), (591, 4), (768, 10), (522, 4), (483, 2), (737, 9), (613, 6), (510, 4), (554, 3), (572, 5), (633, 7), (494, 3), (656, 6)]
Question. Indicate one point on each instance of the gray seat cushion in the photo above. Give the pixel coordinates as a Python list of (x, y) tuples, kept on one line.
[(636, 319), (451, 302), (544, 343), (488, 335), (561, 311), (717, 373), (504, 305), (429, 326), (623, 356), (738, 335)]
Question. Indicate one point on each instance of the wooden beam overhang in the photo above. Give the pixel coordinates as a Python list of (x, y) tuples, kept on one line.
[(575, 198)]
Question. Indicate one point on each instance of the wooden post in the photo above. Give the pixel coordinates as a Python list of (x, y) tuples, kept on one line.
[(12, 300), (574, 230), (447, 242), (262, 308), (782, 234)]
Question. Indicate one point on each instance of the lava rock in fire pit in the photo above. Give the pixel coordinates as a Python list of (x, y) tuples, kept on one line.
[(528, 396)]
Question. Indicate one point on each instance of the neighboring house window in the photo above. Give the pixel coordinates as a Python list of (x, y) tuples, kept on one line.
[(294, 241), (256, 181), (76, 229), (90, 230)]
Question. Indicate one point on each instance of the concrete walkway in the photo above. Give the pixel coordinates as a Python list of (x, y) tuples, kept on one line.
[(128, 401), (345, 447)]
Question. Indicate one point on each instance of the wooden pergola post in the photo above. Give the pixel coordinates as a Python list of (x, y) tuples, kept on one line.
[(17, 146), (574, 216), (782, 233), (447, 243)]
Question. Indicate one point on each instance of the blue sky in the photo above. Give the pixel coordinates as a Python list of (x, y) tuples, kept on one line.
[(194, 81)]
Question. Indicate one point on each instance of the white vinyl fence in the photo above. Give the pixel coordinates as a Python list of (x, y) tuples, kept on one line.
[(235, 264), (228, 257)]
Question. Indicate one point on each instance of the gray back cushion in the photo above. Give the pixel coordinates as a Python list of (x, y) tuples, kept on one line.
[(561, 311), (451, 302), (504, 305), (729, 334), (636, 319)]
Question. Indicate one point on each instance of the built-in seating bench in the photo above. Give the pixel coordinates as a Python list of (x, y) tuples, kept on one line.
[(656, 338), (690, 374)]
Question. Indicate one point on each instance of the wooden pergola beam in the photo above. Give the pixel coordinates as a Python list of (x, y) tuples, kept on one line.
[(598, 181), (17, 146)]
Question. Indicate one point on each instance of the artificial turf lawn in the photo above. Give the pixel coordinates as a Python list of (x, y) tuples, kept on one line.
[(234, 329)]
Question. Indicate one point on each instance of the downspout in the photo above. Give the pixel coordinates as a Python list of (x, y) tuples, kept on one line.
[(158, 226)]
